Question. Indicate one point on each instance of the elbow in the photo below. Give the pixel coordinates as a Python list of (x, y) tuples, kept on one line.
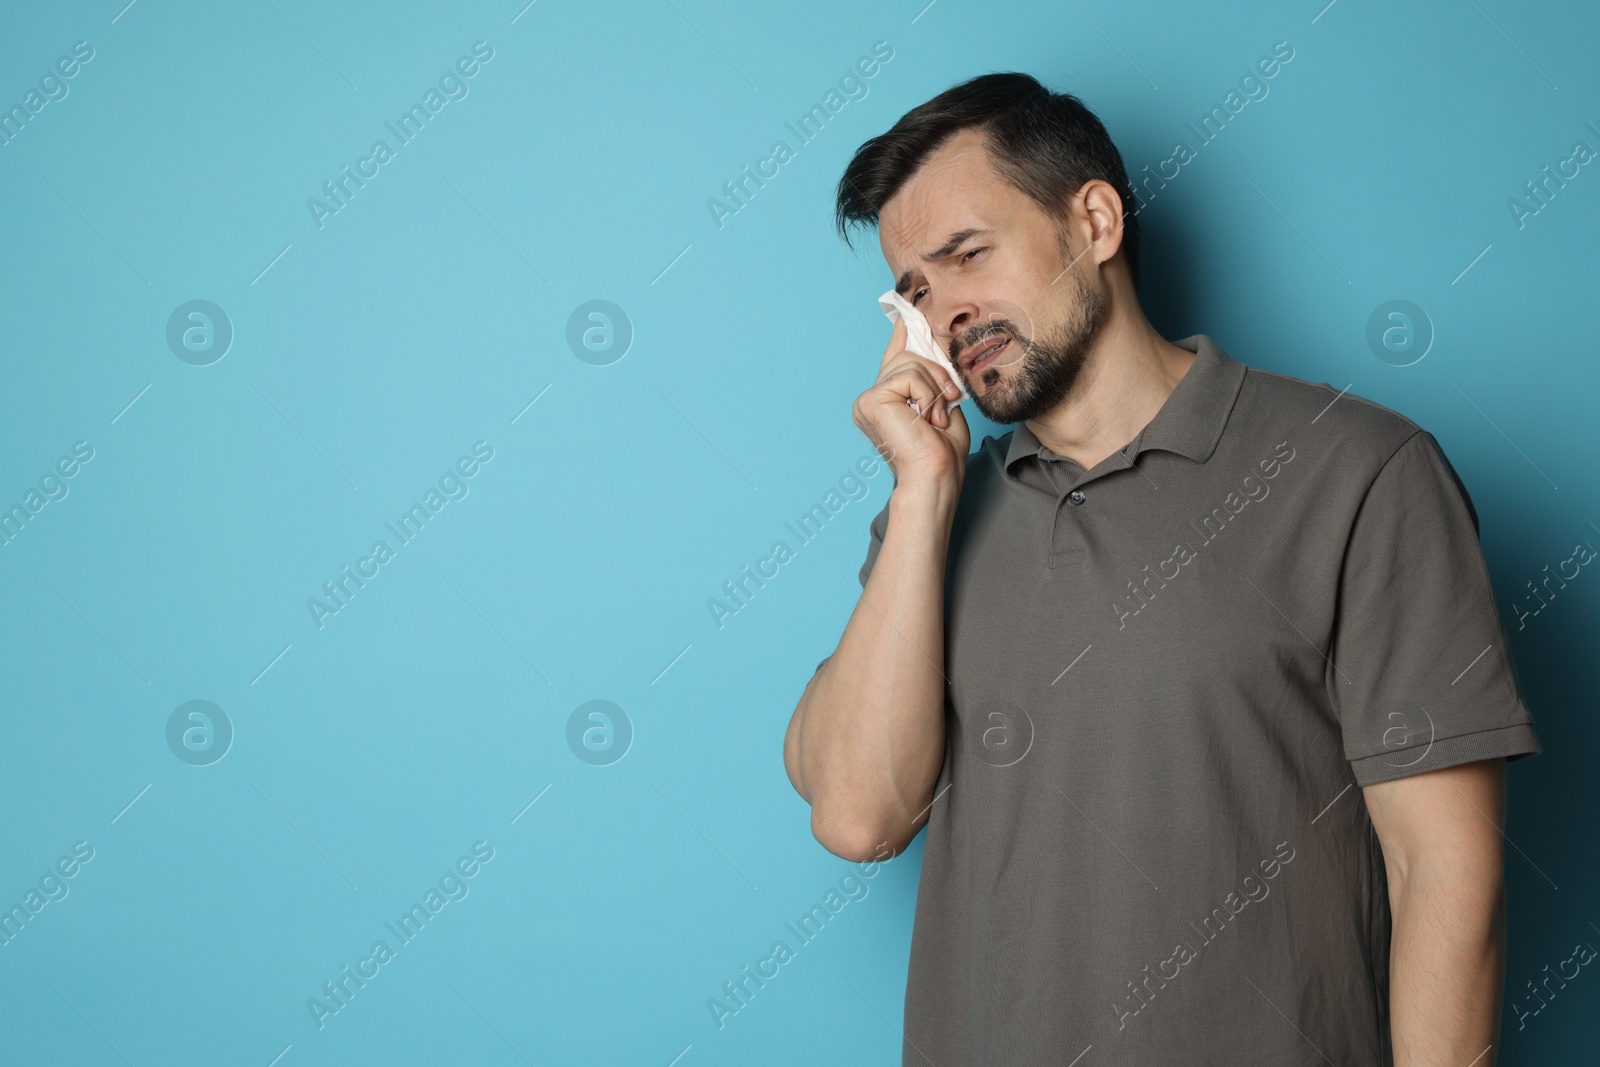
[(858, 840), (791, 757)]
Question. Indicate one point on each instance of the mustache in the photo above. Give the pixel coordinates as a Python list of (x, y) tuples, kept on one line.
[(976, 335)]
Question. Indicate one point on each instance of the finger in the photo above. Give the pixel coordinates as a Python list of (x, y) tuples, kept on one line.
[(957, 428), (935, 411), (912, 381), (943, 383), (942, 379)]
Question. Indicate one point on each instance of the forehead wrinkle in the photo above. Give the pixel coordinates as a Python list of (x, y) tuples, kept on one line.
[(916, 197), (952, 165)]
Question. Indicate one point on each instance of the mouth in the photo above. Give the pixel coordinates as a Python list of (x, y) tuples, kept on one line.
[(981, 355)]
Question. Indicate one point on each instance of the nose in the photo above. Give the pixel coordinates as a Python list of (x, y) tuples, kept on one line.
[(954, 327)]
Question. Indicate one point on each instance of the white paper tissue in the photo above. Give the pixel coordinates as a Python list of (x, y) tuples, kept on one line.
[(919, 338)]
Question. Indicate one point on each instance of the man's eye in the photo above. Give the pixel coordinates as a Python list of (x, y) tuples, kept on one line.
[(965, 258)]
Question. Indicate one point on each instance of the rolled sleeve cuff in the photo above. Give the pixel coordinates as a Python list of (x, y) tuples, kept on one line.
[(1510, 742)]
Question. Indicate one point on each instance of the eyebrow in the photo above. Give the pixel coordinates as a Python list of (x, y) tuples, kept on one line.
[(954, 241)]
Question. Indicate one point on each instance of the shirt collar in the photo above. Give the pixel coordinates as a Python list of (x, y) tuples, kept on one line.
[(1191, 420)]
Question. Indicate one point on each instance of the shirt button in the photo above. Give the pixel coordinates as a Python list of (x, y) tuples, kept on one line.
[(1075, 497)]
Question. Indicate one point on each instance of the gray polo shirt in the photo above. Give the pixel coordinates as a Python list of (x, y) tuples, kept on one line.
[(1168, 676)]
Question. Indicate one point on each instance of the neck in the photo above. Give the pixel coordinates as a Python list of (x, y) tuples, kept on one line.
[(1127, 375)]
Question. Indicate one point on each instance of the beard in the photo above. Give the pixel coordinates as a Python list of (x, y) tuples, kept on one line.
[(1046, 369)]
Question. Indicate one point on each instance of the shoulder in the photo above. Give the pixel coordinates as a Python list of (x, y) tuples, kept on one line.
[(1360, 432), (1357, 447)]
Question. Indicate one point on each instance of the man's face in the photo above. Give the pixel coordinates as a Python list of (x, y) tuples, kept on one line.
[(1008, 282)]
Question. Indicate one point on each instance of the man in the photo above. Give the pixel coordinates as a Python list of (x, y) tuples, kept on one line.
[(1195, 677)]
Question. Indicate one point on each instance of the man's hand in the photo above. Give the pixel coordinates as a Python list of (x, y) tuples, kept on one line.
[(1441, 838), (925, 445)]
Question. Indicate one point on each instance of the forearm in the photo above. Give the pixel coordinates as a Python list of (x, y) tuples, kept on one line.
[(1446, 969), (867, 740)]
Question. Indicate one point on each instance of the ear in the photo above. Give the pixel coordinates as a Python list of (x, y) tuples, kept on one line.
[(1102, 206)]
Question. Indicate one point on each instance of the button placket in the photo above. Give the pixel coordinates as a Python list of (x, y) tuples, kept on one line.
[(1066, 545)]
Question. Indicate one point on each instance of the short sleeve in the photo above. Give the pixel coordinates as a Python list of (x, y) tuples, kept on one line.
[(1421, 675), (875, 534)]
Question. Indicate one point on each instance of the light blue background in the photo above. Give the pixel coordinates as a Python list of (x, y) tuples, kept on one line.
[(426, 315)]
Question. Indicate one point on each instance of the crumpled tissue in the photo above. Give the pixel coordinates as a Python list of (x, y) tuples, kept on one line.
[(919, 340)]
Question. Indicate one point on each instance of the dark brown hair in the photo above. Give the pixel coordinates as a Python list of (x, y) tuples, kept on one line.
[(1045, 144)]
